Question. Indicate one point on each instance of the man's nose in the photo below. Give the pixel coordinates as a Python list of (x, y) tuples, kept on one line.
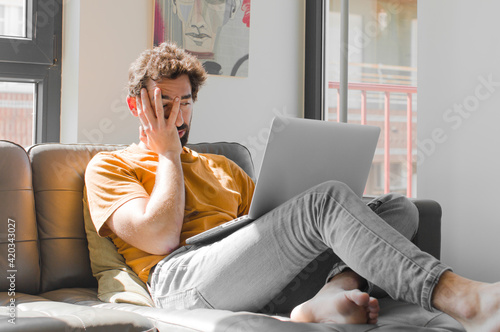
[(180, 119)]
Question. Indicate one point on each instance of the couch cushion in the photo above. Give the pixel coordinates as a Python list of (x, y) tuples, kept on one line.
[(117, 282), (58, 179), (38, 314), (19, 257), (394, 317)]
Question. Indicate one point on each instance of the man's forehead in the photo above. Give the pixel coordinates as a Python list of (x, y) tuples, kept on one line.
[(171, 88)]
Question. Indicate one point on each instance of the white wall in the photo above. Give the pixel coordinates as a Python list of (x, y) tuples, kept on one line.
[(102, 38), (458, 120), (241, 109)]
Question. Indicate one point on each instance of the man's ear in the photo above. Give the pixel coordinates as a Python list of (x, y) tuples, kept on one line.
[(132, 105)]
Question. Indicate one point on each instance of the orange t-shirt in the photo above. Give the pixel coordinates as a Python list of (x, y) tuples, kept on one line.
[(217, 191)]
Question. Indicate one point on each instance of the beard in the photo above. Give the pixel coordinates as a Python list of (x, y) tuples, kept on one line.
[(184, 138)]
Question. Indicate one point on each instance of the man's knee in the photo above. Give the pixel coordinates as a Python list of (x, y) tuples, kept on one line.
[(333, 185), (398, 211), (412, 218)]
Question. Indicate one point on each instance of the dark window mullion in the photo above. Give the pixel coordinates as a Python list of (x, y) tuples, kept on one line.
[(314, 79), (48, 97)]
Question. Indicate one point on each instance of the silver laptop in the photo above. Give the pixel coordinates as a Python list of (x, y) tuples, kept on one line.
[(300, 154)]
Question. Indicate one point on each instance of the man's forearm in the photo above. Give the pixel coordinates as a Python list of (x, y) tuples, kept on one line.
[(154, 224), (164, 213)]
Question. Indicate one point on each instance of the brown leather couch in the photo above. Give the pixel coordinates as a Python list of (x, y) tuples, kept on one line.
[(46, 281)]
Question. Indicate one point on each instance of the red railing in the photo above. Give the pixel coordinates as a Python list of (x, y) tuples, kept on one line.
[(387, 89)]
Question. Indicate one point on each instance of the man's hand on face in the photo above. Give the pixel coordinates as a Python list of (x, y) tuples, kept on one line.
[(158, 132)]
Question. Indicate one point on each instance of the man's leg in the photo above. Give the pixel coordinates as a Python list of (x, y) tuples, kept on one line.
[(395, 209), (245, 270), (344, 284), (475, 304), (399, 213)]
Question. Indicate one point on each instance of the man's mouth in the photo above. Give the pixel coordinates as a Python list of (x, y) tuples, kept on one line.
[(182, 130)]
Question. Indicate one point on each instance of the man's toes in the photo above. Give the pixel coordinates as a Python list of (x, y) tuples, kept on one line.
[(358, 297), (373, 314), (373, 305)]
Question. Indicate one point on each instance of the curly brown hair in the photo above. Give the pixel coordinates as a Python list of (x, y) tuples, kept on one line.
[(165, 61)]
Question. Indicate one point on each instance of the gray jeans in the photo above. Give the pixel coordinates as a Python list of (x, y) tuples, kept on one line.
[(245, 270)]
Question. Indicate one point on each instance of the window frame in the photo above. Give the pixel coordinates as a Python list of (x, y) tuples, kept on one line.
[(37, 59), (314, 67)]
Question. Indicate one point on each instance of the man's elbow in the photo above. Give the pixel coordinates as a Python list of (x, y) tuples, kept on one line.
[(168, 248), (164, 245)]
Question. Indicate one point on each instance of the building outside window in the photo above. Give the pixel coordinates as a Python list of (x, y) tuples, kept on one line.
[(382, 81), (17, 112)]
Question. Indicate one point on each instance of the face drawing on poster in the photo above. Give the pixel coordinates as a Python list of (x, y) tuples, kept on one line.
[(202, 20), (215, 31)]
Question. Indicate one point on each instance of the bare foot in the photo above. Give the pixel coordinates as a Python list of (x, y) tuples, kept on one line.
[(475, 305), (336, 305)]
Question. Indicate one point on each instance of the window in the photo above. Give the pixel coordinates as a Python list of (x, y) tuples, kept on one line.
[(30, 70), (374, 84)]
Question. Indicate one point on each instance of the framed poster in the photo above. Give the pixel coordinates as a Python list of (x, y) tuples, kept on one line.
[(216, 31)]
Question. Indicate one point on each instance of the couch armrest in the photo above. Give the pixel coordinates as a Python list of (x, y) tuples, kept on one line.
[(428, 237)]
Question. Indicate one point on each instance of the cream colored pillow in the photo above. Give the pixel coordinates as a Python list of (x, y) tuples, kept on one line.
[(117, 283)]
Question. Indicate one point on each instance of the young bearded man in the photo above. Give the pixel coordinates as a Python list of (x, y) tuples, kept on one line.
[(153, 195)]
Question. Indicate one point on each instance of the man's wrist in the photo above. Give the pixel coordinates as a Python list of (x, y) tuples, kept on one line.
[(171, 154)]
